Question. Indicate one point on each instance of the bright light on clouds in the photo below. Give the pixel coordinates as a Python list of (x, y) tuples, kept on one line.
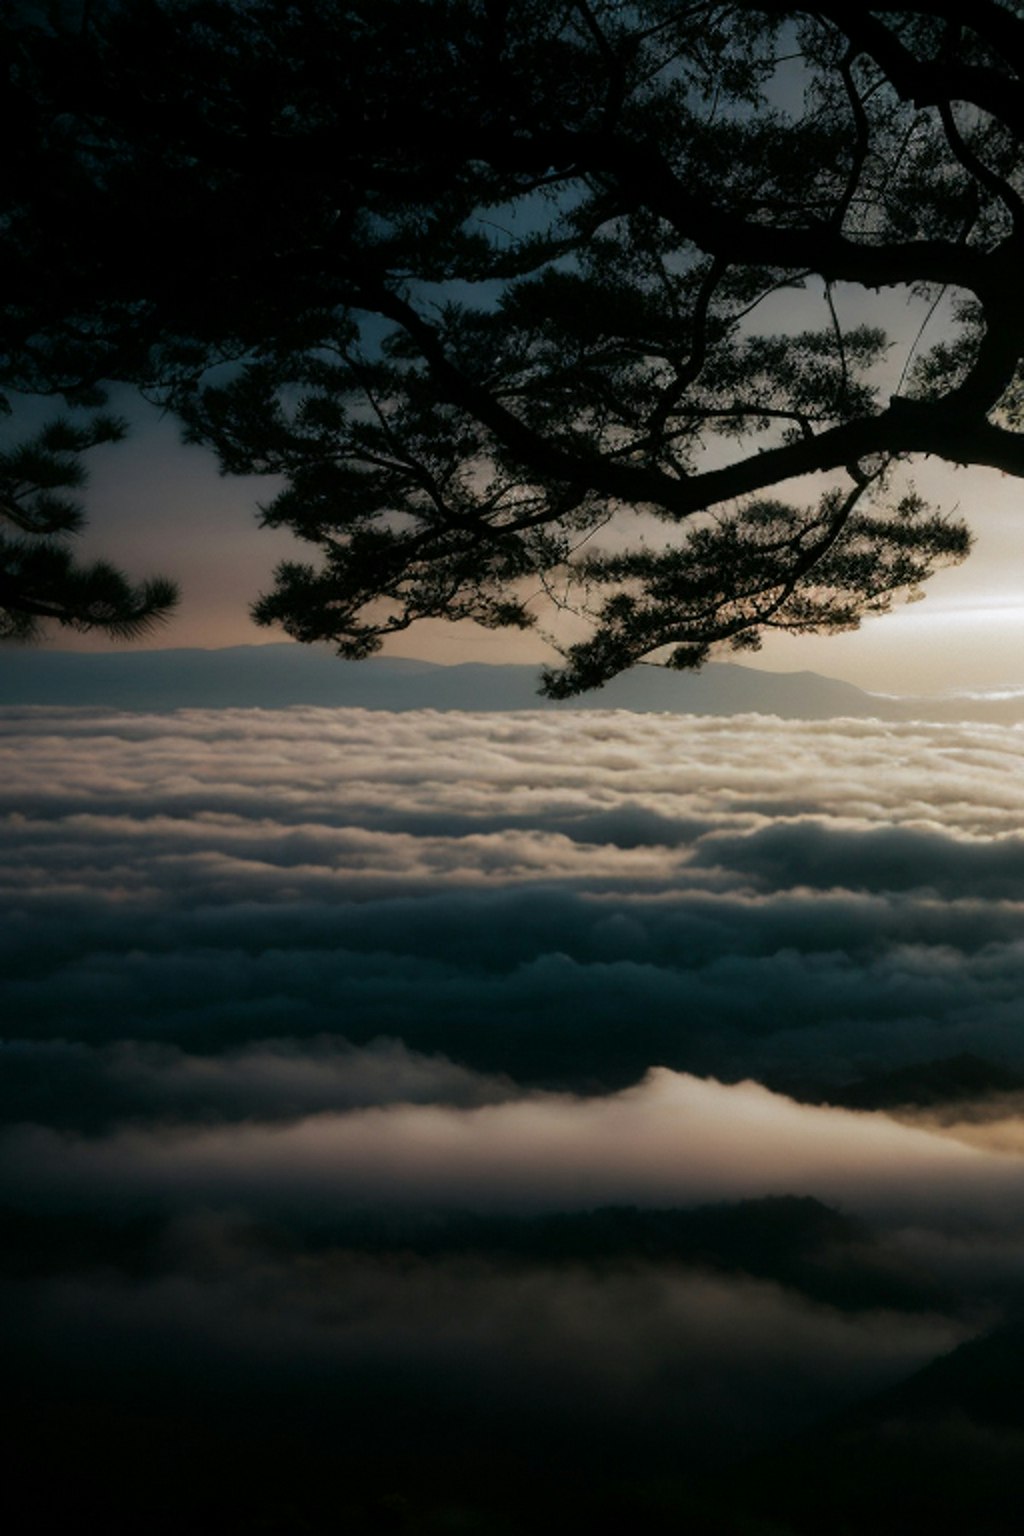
[(483, 1073)]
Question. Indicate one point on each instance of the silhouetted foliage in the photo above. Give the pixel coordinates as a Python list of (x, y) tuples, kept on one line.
[(39, 576), (537, 307)]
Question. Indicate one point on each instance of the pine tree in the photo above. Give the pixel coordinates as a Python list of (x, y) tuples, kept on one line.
[(40, 578), (495, 286)]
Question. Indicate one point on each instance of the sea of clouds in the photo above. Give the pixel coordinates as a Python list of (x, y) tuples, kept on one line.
[(269, 972), (556, 902)]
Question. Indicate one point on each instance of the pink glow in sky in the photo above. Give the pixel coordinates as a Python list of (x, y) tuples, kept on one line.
[(158, 506)]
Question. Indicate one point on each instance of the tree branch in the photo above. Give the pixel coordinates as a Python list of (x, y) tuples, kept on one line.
[(992, 22), (953, 428), (926, 83), (982, 173), (644, 179)]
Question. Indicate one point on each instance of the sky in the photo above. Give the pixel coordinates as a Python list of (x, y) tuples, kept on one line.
[(159, 506), (455, 1087)]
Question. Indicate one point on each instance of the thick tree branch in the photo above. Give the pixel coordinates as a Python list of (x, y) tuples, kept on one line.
[(926, 83), (987, 19), (644, 179), (861, 145), (220, 214), (983, 174), (952, 429)]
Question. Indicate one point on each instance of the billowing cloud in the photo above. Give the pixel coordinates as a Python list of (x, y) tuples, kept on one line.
[(670, 1140), (271, 975), (567, 900)]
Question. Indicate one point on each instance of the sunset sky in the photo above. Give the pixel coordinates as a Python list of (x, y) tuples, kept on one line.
[(160, 506)]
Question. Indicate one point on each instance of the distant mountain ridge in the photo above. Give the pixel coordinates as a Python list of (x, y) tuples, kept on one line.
[(961, 1079), (924, 1085), (279, 675)]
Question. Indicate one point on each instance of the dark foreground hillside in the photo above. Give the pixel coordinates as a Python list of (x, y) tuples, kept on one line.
[(156, 1440)]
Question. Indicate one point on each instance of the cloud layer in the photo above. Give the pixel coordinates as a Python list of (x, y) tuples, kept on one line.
[(565, 902)]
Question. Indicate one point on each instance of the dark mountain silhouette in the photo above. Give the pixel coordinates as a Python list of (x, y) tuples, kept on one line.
[(276, 676), (959, 1079), (319, 1451), (949, 1080), (796, 1241)]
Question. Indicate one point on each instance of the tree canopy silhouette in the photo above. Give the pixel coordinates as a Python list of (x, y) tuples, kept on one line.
[(539, 306), (40, 578)]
